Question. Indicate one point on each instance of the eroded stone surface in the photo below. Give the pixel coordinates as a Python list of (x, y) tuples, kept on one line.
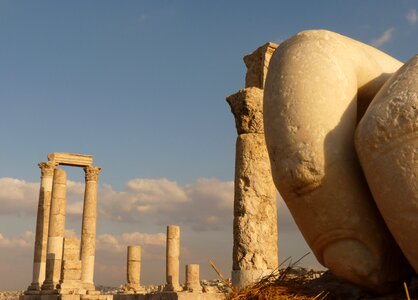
[(255, 216), (387, 143), (70, 282), (133, 271), (310, 114), (56, 230), (193, 278), (172, 258), (257, 65), (88, 231), (42, 225), (71, 159)]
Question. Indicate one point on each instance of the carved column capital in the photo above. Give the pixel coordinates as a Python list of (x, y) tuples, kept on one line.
[(247, 108), (47, 168), (92, 173)]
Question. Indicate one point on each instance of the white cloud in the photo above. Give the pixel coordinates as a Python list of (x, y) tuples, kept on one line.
[(119, 243), (18, 196), (384, 38), (412, 17), (150, 191), (24, 241), (203, 204)]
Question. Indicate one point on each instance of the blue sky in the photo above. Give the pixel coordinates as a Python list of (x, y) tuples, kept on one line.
[(141, 85)]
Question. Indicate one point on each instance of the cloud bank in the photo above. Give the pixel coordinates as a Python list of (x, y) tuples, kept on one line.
[(205, 204)]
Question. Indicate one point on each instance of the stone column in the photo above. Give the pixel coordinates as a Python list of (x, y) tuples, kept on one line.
[(255, 251), (172, 256), (42, 225), (56, 231), (88, 230), (133, 269), (193, 278)]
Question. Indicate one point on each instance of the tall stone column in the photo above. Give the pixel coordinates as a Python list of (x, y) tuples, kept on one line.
[(172, 258), (88, 230), (255, 252), (42, 225), (56, 231)]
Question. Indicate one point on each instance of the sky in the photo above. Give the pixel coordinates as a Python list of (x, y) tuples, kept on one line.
[(141, 85)]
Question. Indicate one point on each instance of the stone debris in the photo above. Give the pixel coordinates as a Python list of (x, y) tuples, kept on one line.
[(10, 295)]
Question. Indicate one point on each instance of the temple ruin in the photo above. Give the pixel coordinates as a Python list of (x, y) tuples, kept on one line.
[(63, 267)]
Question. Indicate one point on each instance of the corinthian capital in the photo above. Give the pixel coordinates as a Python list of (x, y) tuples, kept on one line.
[(92, 173), (47, 168)]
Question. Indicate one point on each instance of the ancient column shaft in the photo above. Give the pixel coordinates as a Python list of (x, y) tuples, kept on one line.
[(42, 225), (255, 212), (56, 230), (193, 278), (133, 269), (88, 230), (172, 256)]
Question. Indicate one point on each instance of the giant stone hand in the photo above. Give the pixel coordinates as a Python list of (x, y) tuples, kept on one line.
[(348, 176)]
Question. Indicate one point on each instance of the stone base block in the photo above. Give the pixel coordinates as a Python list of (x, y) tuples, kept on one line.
[(90, 288), (66, 297), (130, 288), (243, 278), (171, 296), (33, 289), (32, 292), (96, 296)]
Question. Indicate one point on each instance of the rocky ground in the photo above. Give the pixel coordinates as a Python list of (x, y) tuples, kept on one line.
[(10, 295), (297, 283)]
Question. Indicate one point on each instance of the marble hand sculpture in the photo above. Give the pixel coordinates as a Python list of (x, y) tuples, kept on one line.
[(341, 128)]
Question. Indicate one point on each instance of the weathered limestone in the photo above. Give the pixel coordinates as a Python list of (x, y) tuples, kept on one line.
[(70, 282), (255, 214), (257, 64), (88, 230), (314, 83), (387, 143), (193, 278), (172, 256), (56, 230), (71, 159), (42, 225), (133, 271)]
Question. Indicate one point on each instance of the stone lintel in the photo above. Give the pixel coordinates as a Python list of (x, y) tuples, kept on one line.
[(71, 159), (257, 64)]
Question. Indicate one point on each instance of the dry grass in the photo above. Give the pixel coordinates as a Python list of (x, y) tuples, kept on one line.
[(297, 283), (280, 284)]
